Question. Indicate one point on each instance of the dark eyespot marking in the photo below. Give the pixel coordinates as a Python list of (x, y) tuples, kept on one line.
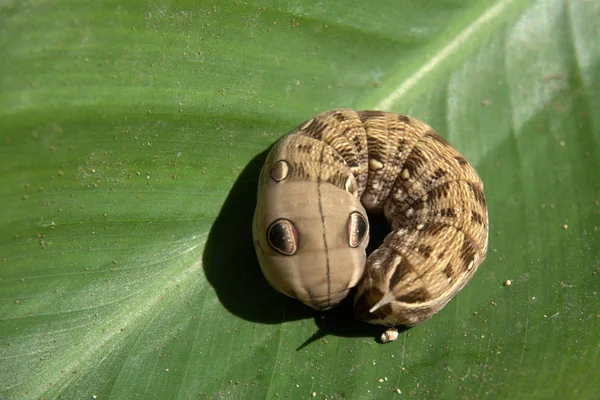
[(280, 170), (282, 236), (415, 296), (357, 229)]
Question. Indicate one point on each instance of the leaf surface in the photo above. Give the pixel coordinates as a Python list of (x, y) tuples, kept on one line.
[(132, 137)]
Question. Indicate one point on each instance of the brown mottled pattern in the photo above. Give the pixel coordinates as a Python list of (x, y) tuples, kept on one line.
[(344, 132), (390, 137), (302, 168), (429, 193)]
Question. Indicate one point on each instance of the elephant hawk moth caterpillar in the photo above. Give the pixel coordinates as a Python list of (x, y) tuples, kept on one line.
[(311, 227)]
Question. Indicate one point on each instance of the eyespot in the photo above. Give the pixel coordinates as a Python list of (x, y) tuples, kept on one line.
[(357, 229), (282, 236), (280, 170)]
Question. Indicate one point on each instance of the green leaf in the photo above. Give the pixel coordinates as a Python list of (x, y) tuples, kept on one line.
[(132, 136)]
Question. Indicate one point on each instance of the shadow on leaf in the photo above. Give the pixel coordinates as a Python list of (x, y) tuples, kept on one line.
[(341, 322), (230, 262)]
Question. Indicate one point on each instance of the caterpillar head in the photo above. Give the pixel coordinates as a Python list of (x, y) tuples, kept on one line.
[(310, 239)]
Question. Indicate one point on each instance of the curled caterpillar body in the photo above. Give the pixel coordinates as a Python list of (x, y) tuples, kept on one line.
[(311, 229)]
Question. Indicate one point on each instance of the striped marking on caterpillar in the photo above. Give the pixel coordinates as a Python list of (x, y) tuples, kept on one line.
[(311, 228)]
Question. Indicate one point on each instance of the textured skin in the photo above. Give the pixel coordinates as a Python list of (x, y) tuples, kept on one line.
[(430, 195)]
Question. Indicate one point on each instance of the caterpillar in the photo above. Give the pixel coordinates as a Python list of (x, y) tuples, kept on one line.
[(311, 228)]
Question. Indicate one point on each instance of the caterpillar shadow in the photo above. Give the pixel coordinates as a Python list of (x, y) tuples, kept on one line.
[(230, 263)]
